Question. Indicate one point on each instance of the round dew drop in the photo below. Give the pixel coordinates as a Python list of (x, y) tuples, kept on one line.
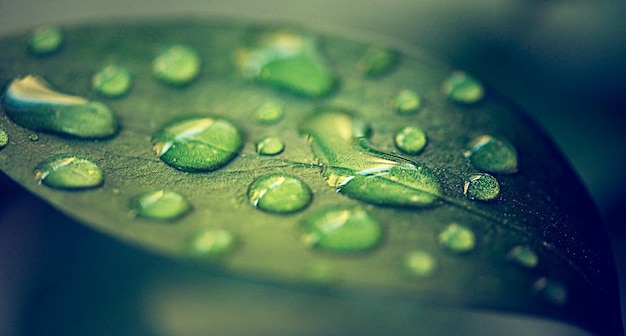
[(550, 291), (523, 256), (410, 140), (481, 187), (112, 81), (457, 238), (69, 172), (376, 61), (407, 102), (45, 40), (269, 113), (211, 243), (177, 65), (420, 264), (270, 146), (279, 193), (492, 155), (462, 88), (33, 137), (163, 205)]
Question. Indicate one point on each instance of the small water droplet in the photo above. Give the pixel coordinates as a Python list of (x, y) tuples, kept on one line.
[(270, 145), (33, 137), (269, 113), (4, 138), (523, 256), (407, 102), (211, 243), (279, 193), (177, 65), (457, 238), (462, 88), (481, 187), (198, 144), (551, 291), (287, 60), (342, 229), (69, 172), (492, 155), (112, 81), (420, 263), (376, 61), (410, 139), (45, 40), (160, 204), (31, 102)]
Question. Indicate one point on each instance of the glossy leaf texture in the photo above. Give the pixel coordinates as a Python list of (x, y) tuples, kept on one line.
[(477, 209)]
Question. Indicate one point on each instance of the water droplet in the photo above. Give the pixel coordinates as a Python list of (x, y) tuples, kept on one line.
[(363, 173), (198, 144), (462, 88), (69, 172), (376, 61), (211, 243), (112, 81), (32, 103), (269, 113), (457, 238), (33, 137), (492, 155), (279, 193), (420, 263), (523, 256), (176, 65), (410, 139), (160, 204), (481, 187), (270, 146), (342, 229), (551, 291), (287, 60), (4, 138), (407, 102), (45, 40)]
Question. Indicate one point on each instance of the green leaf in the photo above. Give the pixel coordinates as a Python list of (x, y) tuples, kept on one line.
[(527, 240)]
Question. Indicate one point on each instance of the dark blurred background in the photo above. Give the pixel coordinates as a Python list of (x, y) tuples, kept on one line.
[(564, 62)]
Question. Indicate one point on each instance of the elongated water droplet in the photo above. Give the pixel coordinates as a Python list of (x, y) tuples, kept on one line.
[(279, 193), (211, 243), (420, 263), (407, 102), (32, 103), (523, 256), (376, 61), (177, 65), (198, 144), (462, 88), (270, 146), (4, 138), (342, 229), (550, 291), (457, 238), (410, 140), (338, 140), (163, 205), (287, 60), (492, 155), (112, 81), (69, 172), (481, 187), (45, 40), (269, 113)]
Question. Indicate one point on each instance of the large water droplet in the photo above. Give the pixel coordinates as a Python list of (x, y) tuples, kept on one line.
[(493, 155), (462, 88), (551, 291), (523, 256), (211, 243), (198, 144), (342, 229), (270, 145), (338, 140), (279, 193), (407, 102), (376, 61), (32, 103), (4, 138), (269, 113), (481, 187), (410, 139), (69, 172), (177, 65), (457, 238), (112, 81), (160, 204), (287, 60), (45, 40), (420, 263)]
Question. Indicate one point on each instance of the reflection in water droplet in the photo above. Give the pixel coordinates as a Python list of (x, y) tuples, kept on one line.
[(523, 256), (363, 173), (211, 243), (69, 172), (287, 60), (45, 40), (481, 187), (462, 88), (551, 291), (160, 204), (177, 65), (408, 102), (4, 138), (457, 238), (269, 113), (33, 137), (32, 103), (410, 139), (492, 155), (279, 193), (342, 229), (198, 144), (270, 146), (112, 81), (376, 61), (420, 263)]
